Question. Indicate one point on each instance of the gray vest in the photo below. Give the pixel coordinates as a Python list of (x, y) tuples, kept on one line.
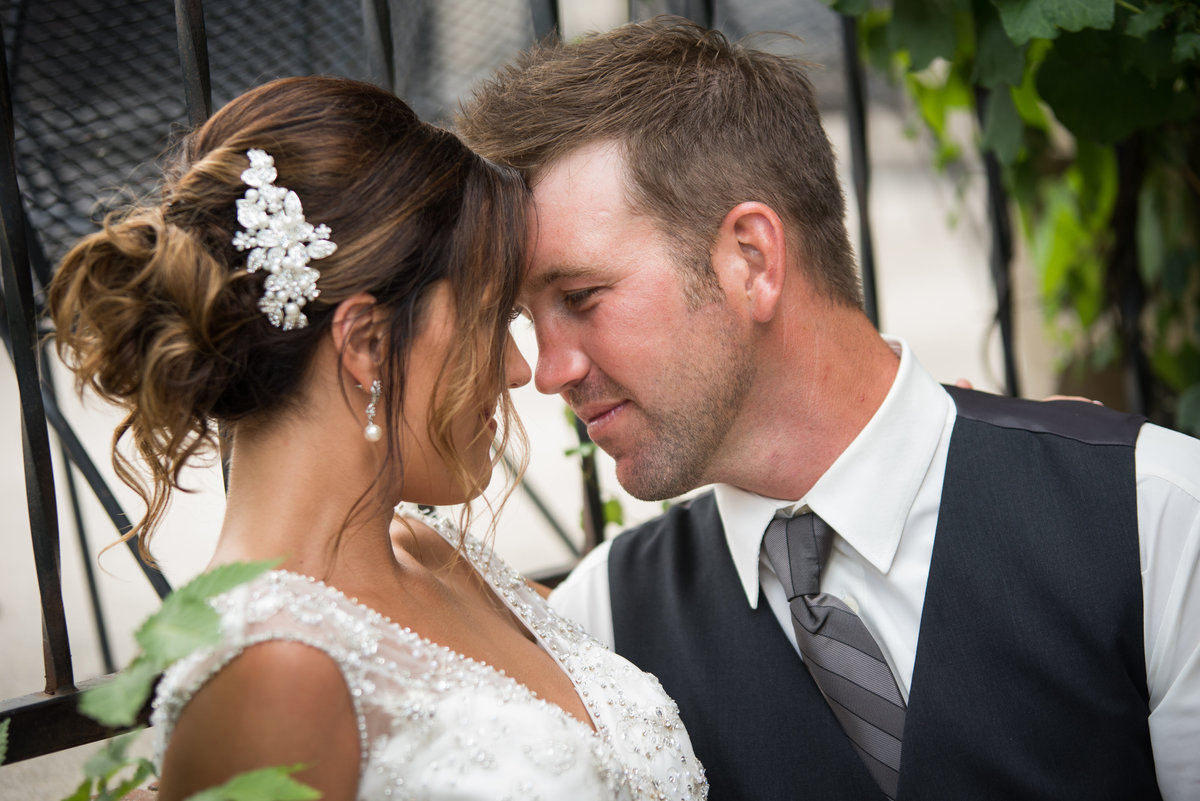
[(1030, 678)]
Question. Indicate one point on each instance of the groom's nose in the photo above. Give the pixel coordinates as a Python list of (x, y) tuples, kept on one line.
[(561, 362)]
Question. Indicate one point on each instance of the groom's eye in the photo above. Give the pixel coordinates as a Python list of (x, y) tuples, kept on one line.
[(575, 300)]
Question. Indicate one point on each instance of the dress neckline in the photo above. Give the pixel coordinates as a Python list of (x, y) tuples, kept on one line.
[(472, 550)]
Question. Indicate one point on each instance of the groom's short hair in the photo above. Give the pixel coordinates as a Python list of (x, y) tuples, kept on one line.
[(703, 124)]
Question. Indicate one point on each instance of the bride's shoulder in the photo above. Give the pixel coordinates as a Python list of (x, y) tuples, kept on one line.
[(276, 702)]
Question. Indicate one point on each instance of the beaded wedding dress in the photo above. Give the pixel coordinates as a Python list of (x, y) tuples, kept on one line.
[(435, 724)]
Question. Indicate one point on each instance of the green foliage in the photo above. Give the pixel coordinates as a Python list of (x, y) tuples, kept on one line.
[(268, 784), (1025, 20), (1090, 108), (183, 624), (102, 780), (924, 29), (4, 739), (583, 450), (117, 702), (614, 512)]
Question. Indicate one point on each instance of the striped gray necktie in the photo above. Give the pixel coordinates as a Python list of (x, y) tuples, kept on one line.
[(840, 653)]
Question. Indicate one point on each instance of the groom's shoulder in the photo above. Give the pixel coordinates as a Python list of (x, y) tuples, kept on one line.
[(1083, 422)]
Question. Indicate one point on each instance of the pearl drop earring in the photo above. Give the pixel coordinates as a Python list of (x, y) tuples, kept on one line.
[(372, 432)]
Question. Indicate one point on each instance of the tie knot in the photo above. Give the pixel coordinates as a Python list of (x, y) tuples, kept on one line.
[(796, 548)]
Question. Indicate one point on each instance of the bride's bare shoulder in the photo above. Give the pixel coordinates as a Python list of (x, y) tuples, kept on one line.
[(277, 703)]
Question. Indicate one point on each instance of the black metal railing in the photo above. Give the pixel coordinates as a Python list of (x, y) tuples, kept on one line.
[(360, 41), (47, 721)]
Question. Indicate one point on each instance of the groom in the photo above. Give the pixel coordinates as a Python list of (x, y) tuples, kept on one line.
[(895, 589)]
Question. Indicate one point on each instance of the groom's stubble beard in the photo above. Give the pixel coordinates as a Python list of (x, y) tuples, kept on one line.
[(681, 434)]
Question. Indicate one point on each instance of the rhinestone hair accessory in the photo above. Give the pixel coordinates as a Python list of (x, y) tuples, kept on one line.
[(280, 241)]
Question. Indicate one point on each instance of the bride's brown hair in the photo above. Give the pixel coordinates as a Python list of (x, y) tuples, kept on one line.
[(157, 313)]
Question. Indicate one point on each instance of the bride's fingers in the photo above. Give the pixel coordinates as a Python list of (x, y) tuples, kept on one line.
[(1079, 398)]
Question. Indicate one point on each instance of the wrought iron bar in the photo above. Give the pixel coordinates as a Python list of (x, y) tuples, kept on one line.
[(1000, 256), (698, 11), (43, 724), (593, 506), (1125, 278), (89, 570), (545, 18), (860, 162), (197, 90), (87, 468), (547, 514), (35, 439), (76, 454), (85, 551), (193, 57), (377, 32), (40, 265)]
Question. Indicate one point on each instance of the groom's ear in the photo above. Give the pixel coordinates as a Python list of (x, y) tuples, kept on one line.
[(750, 258)]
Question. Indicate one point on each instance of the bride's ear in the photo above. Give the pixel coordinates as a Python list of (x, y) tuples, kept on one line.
[(357, 331)]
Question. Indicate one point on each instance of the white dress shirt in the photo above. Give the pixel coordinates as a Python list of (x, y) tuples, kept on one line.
[(885, 511)]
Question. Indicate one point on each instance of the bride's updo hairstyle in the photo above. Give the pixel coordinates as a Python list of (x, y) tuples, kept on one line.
[(157, 313)]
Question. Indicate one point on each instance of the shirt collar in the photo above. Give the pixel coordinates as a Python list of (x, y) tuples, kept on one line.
[(866, 494)]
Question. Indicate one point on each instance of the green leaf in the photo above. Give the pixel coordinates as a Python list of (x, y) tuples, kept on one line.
[(997, 59), (1150, 56), (223, 578), (111, 758), (613, 512), (850, 8), (1177, 271), (873, 41), (1149, 235), (1083, 81), (180, 627), (1003, 130), (1061, 248), (1177, 365), (4, 739), (1187, 48), (1188, 415), (924, 28), (82, 793), (1025, 96), (186, 622), (267, 784), (1026, 20), (118, 701), (937, 93), (145, 769), (584, 450), (1095, 176), (1152, 17)]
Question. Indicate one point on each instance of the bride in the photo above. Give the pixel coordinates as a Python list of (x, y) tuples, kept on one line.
[(332, 280)]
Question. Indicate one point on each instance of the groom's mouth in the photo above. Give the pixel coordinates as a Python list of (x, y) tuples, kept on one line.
[(600, 417)]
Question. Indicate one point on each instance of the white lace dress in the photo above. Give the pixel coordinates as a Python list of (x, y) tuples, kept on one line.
[(435, 724)]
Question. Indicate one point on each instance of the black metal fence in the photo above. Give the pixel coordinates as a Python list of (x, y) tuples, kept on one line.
[(91, 94)]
